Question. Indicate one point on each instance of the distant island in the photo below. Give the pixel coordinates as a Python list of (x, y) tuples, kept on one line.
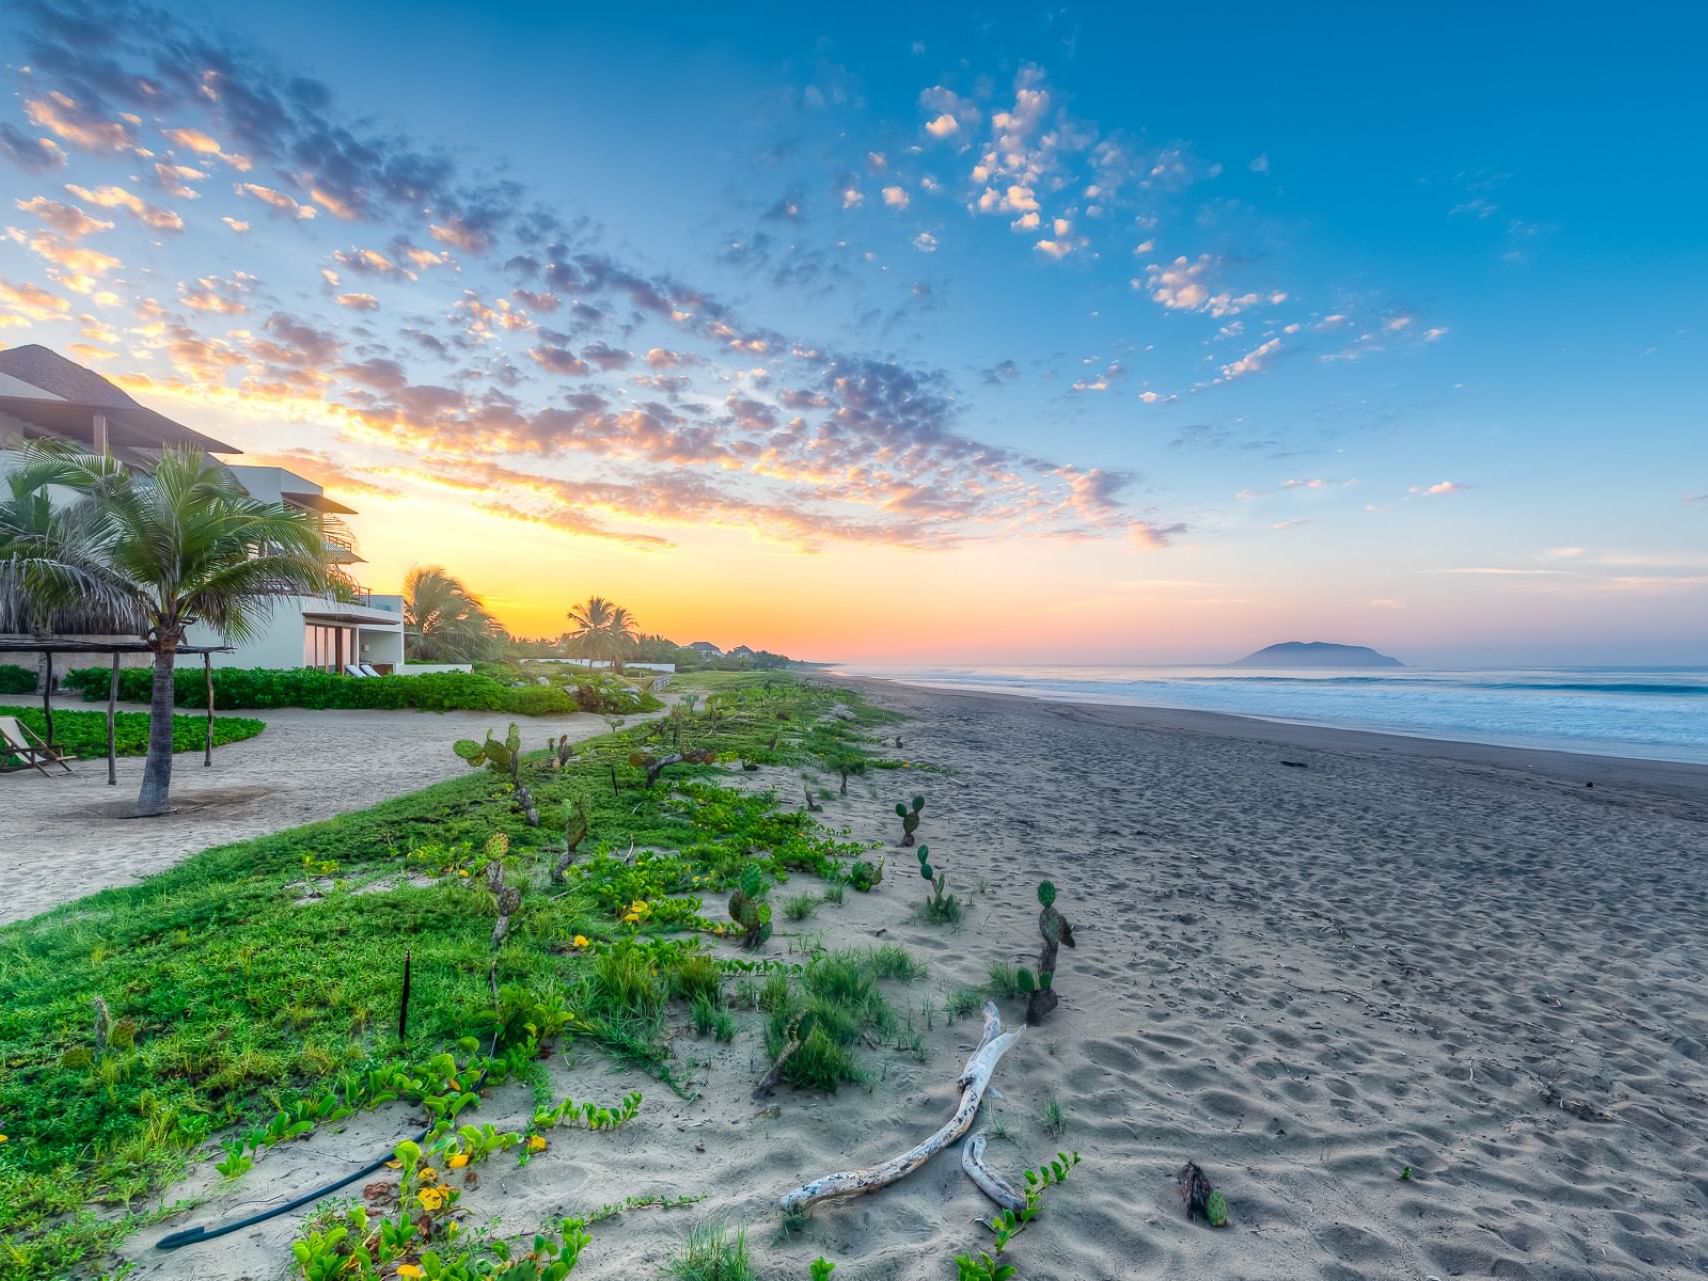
[(1316, 654)]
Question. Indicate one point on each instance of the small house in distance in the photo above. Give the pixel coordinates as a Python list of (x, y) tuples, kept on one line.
[(705, 647)]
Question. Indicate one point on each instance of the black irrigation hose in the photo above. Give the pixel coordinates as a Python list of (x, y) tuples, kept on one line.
[(194, 1236)]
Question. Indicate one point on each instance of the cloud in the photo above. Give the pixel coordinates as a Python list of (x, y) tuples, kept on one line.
[(925, 242), (277, 199), (896, 197), (205, 145), (68, 220), (371, 262), (174, 180), (1259, 164), (62, 116), (1438, 489), (118, 198), (221, 297), (358, 302), (560, 360), (1182, 286), (32, 155), (26, 302), (1290, 524), (236, 224), (1253, 362), (1152, 537), (1436, 334)]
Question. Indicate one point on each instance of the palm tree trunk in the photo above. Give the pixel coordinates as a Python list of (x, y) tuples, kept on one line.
[(157, 769)]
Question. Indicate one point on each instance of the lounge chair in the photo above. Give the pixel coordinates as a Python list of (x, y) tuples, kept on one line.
[(367, 669), (350, 669), (17, 739)]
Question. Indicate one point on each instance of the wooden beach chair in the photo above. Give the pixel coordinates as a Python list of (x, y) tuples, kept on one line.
[(18, 740)]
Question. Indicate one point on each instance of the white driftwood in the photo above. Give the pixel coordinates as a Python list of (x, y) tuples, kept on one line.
[(974, 1080), (992, 1184)]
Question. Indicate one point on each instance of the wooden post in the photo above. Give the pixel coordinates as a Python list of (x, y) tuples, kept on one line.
[(207, 677), (47, 694), (112, 713)]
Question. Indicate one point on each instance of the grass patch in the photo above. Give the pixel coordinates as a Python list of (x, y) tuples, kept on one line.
[(84, 734), (1052, 1117), (712, 1253), (1004, 980), (963, 1002), (800, 907)]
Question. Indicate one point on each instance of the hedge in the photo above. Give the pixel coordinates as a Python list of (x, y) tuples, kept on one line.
[(265, 687), (85, 733), (16, 680)]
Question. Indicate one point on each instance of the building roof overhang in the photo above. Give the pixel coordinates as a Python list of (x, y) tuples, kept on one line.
[(129, 426)]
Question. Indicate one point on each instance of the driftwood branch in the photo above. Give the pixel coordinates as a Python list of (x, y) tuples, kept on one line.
[(992, 1184), (973, 1081)]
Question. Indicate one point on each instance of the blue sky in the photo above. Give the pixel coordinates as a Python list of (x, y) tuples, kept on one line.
[(1213, 328)]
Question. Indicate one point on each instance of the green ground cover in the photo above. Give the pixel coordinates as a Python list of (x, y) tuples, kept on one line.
[(251, 993), (84, 734)]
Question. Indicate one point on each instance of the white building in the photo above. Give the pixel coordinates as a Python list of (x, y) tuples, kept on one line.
[(42, 394)]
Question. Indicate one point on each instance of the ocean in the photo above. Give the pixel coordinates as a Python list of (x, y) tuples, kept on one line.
[(1648, 713)]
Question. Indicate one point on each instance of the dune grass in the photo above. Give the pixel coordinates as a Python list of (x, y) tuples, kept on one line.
[(252, 980)]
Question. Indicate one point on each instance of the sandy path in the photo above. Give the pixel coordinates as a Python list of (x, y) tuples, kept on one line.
[(62, 837)]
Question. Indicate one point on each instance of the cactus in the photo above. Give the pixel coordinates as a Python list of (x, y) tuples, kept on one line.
[(863, 875), (748, 908), (507, 898), (574, 832), (909, 818), (505, 760), (1057, 933), (939, 907), (1216, 1210)]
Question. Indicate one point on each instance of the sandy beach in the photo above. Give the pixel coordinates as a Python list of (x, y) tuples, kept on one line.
[(1311, 978)]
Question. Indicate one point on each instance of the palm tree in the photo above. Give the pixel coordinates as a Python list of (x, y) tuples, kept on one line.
[(590, 622), (445, 622), (622, 633), (163, 553)]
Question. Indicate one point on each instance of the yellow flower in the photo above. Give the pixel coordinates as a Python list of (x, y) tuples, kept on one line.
[(462, 871), (580, 940), (536, 1143), (429, 1174), (458, 1161), (2, 1138), (431, 1199), (411, 1270), (718, 930)]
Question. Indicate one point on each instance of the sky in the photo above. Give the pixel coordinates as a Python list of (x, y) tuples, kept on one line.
[(1011, 333)]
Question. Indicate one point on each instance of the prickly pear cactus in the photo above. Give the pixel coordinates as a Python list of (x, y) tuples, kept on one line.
[(1216, 1210), (936, 880), (748, 908), (1057, 933), (909, 818)]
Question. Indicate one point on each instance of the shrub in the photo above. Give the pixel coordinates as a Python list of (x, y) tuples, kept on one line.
[(85, 733), (16, 680), (266, 687)]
